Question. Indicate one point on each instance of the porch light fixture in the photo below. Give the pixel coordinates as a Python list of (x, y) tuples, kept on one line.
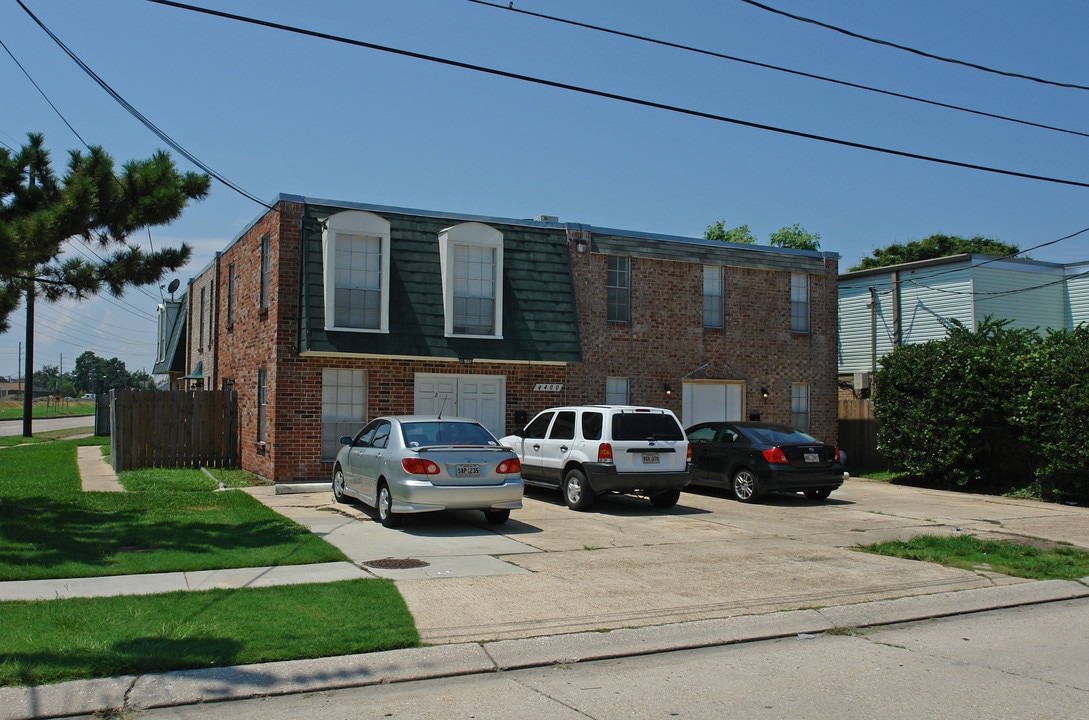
[(764, 393), (668, 389)]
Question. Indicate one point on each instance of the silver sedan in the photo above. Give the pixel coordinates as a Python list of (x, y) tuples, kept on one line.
[(413, 464)]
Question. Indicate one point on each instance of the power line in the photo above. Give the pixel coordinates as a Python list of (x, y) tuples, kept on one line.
[(614, 96), (776, 68), (42, 92), (914, 51), (138, 115)]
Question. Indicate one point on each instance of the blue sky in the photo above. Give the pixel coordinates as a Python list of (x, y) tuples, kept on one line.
[(275, 112)]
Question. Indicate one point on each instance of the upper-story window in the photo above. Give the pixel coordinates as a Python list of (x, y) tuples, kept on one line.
[(471, 255), (266, 270), (355, 248), (799, 303), (200, 331), (230, 295), (618, 282), (713, 296)]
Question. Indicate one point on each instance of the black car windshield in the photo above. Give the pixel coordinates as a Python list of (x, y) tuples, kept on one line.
[(779, 436), (646, 426), (445, 432)]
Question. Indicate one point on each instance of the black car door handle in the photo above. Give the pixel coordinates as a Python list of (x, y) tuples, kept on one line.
[(563, 448), (536, 447)]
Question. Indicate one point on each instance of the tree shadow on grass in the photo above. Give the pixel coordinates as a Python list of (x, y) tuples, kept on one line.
[(92, 534)]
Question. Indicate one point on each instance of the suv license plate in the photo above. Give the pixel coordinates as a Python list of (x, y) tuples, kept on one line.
[(812, 457), (651, 459), (468, 470)]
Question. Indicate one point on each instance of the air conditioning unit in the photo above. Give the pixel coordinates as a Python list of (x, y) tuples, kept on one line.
[(862, 381)]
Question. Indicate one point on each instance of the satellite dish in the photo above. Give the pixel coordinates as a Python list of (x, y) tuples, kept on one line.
[(174, 284)]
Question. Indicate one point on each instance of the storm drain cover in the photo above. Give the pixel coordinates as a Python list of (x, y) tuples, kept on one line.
[(396, 564)]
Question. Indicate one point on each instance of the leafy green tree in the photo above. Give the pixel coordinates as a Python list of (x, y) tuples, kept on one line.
[(935, 246), (740, 234), (40, 212), (47, 378), (795, 237)]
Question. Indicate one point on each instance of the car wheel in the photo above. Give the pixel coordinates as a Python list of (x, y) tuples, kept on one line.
[(818, 493), (576, 492), (496, 517), (338, 485), (666, 499), (386, 516), (743, 486)]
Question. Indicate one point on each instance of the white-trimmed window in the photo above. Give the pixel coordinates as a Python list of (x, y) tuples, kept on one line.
[(355, 251), (343, 407), (799, 303), (471, 255), (713, 296), (618, 293), (616, 391), (799, 406)]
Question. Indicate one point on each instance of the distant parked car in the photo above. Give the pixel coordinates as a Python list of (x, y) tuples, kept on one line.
[(88, 396), (751, 458), (589, 450), (413, 464)]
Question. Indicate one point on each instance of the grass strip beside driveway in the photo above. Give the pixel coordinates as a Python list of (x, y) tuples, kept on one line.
[(1049, 561), (49, 528), (56, 640)]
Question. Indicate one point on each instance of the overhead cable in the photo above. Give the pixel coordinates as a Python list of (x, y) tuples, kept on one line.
[(915, 51), (614, 96), (138, 115), (776, 68), (42, 92)]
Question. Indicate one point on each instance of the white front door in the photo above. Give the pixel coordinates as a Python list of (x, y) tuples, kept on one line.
[(707, 401), (480, 397)]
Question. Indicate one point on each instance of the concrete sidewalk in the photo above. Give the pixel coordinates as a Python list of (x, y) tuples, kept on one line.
[(555, 586), (85, 697)]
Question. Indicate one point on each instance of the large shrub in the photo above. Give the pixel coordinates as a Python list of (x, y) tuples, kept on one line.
[(1054, 413), (946, 408)]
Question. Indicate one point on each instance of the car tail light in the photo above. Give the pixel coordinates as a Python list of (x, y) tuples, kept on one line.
[(419, 466), (688, 457), (605, 453), (511, 466), (835, 456), (775, 455)]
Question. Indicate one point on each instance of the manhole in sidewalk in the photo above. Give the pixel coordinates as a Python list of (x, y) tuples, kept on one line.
[(396, 564)]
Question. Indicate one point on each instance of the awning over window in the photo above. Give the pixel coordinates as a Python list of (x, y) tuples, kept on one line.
[(198, 372)]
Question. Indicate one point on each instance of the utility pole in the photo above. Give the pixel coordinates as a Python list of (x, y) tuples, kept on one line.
[(28, 382)]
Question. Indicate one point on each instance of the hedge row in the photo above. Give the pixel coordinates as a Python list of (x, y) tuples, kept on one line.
[(994, 410)]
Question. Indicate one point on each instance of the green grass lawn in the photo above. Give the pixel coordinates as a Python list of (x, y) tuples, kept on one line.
[(168, 520), (55, 640), (11, 409), (1051, 562)]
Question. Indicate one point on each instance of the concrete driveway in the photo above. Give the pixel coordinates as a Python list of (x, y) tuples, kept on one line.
[(550, 571)]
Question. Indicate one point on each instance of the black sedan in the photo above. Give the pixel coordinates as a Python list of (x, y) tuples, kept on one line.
[(753, 458)]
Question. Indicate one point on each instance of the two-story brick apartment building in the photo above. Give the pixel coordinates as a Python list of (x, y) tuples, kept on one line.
[(324, 314)]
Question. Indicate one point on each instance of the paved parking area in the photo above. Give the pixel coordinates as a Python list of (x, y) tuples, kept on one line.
[(627, 564)]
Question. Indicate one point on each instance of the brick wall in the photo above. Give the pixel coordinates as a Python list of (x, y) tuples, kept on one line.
[(665, 342)]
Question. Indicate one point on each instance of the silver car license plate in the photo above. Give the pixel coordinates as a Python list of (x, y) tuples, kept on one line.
[(651, 459), (467, 470), (812, 457)]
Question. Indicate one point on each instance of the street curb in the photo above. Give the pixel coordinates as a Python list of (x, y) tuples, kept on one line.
[(187, 687)]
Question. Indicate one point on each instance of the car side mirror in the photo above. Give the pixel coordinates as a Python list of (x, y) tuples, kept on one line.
[(345, 439)]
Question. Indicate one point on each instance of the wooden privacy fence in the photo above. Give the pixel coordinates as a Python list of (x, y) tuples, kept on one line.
[(179, 428), (858, 435)]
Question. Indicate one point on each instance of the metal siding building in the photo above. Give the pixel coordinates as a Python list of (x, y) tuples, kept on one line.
[(917, 300)]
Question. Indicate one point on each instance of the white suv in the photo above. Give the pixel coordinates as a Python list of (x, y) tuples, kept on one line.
[(589, 450)]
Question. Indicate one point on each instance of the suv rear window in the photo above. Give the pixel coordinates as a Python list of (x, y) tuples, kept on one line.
[(645, 426)]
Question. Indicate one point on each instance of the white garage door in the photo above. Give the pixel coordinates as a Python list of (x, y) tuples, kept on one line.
[(706, 401), (481, 397)]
